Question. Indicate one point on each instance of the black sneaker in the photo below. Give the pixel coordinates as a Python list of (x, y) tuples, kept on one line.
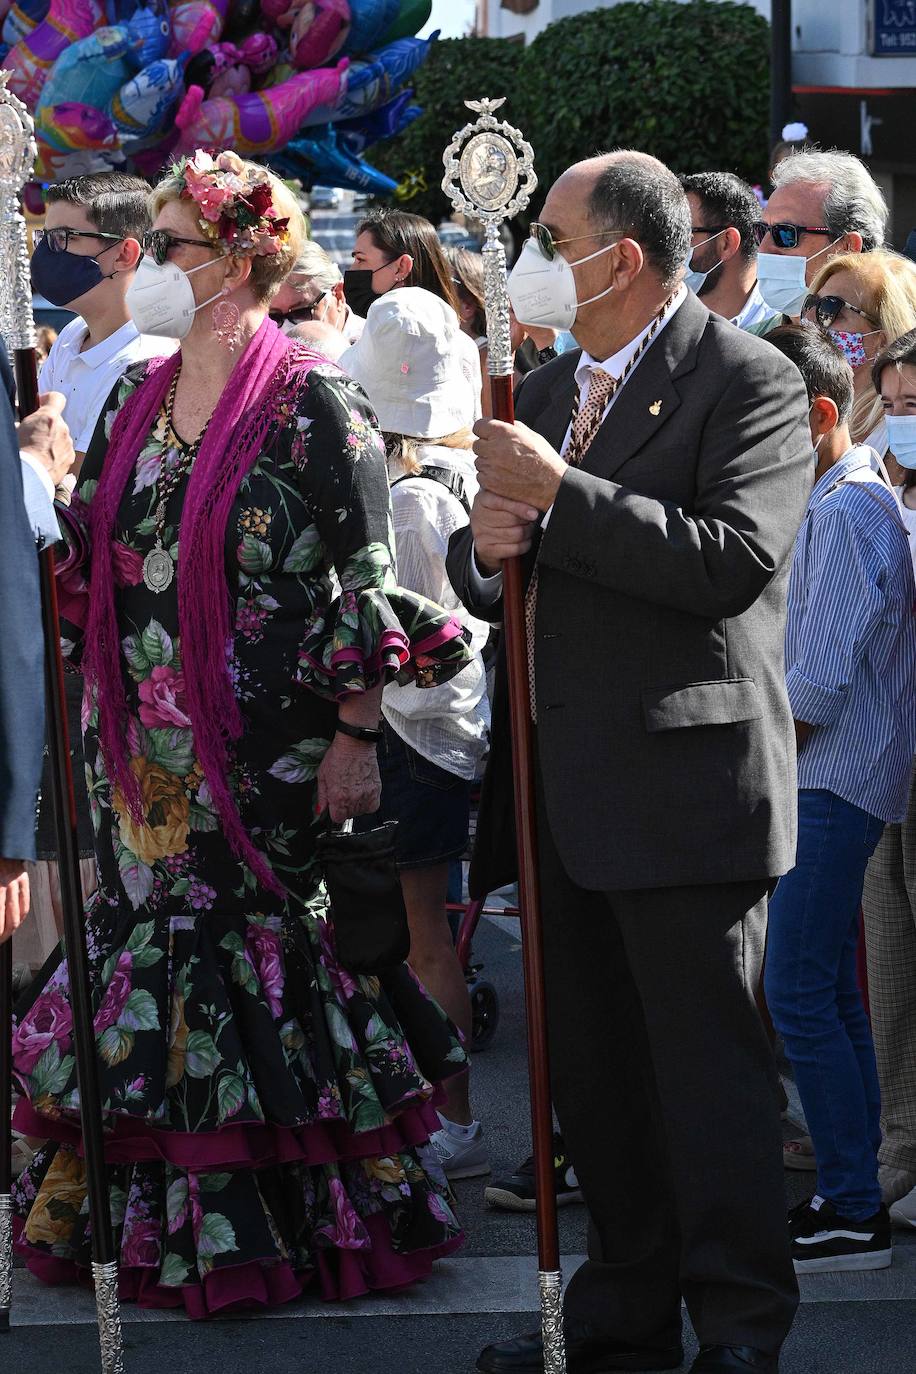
[(515, 1192), (824, 1241)]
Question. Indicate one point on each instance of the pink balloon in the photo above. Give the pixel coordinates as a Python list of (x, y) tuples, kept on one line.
[(195, 23), (33, 57), (259, 121), (318, 32)]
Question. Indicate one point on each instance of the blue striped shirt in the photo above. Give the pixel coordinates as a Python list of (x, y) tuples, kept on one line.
[(851, 641)]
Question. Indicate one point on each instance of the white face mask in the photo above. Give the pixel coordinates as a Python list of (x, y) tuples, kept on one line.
[(161, 298), (781, 279), (544, 292), (694, 280), (901, 436)]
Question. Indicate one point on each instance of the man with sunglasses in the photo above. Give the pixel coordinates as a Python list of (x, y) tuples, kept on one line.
[(723, 263), (653, 483), (822, 204), (314, 293), (84, 260)]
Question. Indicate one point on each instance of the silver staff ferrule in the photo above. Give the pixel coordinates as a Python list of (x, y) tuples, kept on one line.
[(6, 1257), (108, 1310), (551, 1291), (17, 160)]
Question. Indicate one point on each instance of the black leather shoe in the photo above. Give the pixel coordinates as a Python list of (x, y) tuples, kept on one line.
[(587, 1352), (734, 1359)]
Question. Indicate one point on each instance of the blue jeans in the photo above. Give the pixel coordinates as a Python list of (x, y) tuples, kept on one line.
[(814, 998)]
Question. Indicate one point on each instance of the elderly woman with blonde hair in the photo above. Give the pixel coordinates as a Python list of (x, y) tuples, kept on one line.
[(864, 301), (267, 1112)]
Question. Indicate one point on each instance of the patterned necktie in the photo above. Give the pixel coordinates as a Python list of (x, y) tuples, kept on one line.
[(586, 421)]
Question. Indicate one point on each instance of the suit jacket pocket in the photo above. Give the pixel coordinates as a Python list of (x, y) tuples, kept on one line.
[(723, 702)]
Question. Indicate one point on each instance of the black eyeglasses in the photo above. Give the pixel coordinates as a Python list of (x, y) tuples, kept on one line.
[(58, 240), (786, 235), (827, 308), (548, 244), (299, 314), (157, 242), (709, 228)]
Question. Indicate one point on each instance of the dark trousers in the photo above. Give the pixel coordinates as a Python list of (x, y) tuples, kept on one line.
[(664, 1086)]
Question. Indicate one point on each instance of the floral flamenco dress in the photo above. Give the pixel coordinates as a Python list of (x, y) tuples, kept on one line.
[(267, 1114)]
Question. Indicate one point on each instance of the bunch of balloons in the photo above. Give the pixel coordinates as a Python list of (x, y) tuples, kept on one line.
[(307, 84)]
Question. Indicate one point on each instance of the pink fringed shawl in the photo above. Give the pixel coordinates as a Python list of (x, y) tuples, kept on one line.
[(262, 379)]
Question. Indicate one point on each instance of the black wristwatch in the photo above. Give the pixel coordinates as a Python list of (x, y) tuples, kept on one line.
[(547, 355), (361, 732)]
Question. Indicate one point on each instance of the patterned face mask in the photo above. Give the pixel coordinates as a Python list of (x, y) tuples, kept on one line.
[(852, 344)]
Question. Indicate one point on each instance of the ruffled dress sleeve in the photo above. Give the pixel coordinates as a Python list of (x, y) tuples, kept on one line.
[(373, 630)]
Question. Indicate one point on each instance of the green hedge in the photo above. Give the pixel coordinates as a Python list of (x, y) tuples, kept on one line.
[(687, 82)]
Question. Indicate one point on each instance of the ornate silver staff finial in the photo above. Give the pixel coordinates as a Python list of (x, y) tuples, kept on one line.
[(17, 159), (489, 175)]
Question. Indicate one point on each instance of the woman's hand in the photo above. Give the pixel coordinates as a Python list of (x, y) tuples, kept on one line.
[(348, 779), (14, 896)]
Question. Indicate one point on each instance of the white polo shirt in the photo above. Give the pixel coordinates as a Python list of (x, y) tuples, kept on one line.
[(86, 378)]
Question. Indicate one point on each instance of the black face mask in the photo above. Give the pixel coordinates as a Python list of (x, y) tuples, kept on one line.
[(64, 277), (359, 290)]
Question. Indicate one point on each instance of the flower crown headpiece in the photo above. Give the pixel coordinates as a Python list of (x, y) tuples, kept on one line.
[(235, 203)]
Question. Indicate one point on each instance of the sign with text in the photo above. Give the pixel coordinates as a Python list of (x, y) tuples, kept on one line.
[(894, 28)]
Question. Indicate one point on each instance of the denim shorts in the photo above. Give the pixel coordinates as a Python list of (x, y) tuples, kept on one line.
[(431, 805)]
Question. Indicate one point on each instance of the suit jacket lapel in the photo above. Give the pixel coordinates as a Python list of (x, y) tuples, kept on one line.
[(650, 397)]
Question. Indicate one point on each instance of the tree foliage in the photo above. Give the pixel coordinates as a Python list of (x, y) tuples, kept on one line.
[(686, 82)]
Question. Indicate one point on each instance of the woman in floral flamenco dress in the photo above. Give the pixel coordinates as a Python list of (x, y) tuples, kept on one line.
[(267, 1114)]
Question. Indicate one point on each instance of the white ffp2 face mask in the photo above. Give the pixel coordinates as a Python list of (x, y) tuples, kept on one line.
[(161, 298), (781, 278), (543, 292)]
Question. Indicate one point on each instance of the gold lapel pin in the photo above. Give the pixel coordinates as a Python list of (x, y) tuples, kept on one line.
[(655, 408)]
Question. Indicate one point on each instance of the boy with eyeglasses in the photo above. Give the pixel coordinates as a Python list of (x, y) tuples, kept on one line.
[(85, 260)]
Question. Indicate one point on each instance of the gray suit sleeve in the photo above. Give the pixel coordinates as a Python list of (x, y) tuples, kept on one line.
[(754, 476)]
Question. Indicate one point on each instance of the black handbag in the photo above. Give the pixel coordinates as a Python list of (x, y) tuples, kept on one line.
[(367, 909)]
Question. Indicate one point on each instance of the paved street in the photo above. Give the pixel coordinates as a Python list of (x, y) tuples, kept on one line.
[(855, 1324)]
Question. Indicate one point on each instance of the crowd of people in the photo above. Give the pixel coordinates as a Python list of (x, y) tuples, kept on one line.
[(282, 507)]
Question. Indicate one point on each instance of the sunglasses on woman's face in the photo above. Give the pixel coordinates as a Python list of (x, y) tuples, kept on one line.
[(786, 235), (157, 242), (826, 309), (549, 245)]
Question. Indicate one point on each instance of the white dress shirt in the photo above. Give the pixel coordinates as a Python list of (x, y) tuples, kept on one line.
[(38, 494), (86, 376), (487, 588)]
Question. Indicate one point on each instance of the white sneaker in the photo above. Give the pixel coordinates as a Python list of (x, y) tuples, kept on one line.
[(461, 1157), (903, 1213)]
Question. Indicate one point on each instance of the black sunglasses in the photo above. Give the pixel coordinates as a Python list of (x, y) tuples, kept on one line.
[(157, 242), (709, 228), (58, 240), (786, 235), (299, 314), (826, 309)]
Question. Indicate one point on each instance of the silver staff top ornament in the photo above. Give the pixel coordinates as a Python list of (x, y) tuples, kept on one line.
[(17, 160), (489, 167), (489, 176)]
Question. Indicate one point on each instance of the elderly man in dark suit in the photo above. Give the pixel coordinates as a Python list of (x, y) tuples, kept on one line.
[(32, 462), (657, 551)]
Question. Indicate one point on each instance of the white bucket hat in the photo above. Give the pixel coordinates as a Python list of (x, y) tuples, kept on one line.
[(420, 372)]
